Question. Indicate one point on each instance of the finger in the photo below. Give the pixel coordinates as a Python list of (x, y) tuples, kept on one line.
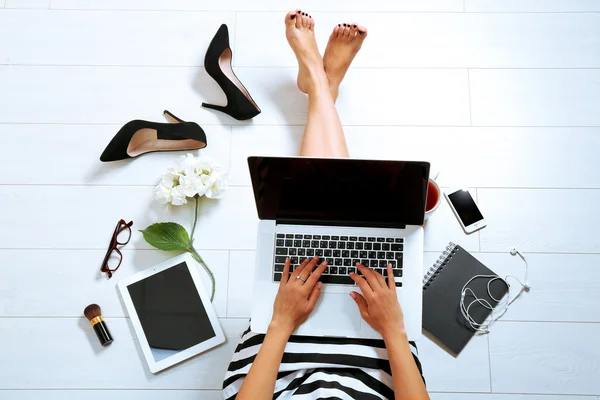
[(305, 273), (299, 269), (314, 277), (360, 302), (380, 279), (391, 279), (286, 272), (362, 284), (369, 276), (314, 296)]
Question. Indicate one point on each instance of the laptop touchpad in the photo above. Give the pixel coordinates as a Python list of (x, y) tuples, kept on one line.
[(336, 311)]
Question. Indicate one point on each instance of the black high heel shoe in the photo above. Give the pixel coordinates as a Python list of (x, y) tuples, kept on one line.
[(217, 62), (139, 137)]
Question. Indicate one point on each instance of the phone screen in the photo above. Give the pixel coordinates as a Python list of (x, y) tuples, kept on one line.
[(465, 207)]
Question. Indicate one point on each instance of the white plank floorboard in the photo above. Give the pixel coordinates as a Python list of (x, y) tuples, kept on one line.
[(116, 95), (89, 225), (113, 95), (469, 372), (421, 96), (141, 38), (241, 284), (498, 157), (564, 287), (438, 145), (540, 220), (112, 394), (504, 156), (532, 6), (265, 5), (447, 40), (82, 165), (79, 270), (561, 97), (559, 358), (76, 360), (28, 4)]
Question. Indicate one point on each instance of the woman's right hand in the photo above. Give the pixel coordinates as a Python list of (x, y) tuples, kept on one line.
[(379, 304)]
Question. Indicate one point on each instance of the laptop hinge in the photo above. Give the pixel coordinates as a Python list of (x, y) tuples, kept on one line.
[(324, 222)]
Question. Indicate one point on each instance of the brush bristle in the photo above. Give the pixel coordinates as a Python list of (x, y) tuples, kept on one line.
[(92, 311)]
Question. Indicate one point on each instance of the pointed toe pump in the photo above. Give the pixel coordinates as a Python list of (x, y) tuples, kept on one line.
[(217, 62), (139, 137)]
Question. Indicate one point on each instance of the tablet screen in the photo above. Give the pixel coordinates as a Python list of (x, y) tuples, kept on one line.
[(170, 311)]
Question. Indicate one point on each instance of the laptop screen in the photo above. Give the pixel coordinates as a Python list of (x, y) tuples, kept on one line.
[(340, 191)]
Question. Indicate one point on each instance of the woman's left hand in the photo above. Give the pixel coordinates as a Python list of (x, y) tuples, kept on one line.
[(297, 295)]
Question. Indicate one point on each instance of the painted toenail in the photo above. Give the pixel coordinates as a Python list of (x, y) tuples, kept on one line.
[(293, 16), (362, 33), (355, 26), (344, 24), (339, 24)]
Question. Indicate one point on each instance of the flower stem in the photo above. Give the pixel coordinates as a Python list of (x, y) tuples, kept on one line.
[(195, 220), (197, 257)]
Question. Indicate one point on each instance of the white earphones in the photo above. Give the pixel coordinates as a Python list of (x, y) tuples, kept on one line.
[(501, 308)]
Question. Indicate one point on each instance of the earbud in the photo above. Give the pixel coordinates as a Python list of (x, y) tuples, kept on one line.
[(501, 307), (515, 252)]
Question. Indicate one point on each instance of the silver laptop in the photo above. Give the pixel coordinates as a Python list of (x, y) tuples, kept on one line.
[(346, 211)]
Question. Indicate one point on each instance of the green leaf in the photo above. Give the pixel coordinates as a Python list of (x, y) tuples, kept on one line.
[(167, 236)]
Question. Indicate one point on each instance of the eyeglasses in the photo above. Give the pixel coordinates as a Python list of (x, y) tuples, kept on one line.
[(113, 258)]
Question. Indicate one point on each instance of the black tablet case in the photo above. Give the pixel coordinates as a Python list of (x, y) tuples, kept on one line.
[(441, 297)]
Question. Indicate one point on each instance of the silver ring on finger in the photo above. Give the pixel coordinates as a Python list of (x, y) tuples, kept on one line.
[(301, 278)]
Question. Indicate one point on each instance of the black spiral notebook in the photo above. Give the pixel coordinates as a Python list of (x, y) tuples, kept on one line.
[(442, 287)]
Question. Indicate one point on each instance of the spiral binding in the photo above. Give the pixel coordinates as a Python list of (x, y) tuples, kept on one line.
[(438, 265)]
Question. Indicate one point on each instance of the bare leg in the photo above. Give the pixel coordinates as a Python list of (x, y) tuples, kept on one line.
[(323, 135)]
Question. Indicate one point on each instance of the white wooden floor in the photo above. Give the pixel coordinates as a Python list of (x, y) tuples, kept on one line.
[(512, 84)]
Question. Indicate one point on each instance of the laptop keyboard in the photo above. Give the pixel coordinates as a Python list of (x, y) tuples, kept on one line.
[(341, 253)]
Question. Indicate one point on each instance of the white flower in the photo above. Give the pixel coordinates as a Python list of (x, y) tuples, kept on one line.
[(163, 194), (179, 197), (191, 177)]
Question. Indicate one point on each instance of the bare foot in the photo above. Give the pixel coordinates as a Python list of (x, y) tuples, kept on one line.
[(299, 30), (345, 41)]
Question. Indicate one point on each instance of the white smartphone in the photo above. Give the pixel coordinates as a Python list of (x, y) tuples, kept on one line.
[(464, 207)]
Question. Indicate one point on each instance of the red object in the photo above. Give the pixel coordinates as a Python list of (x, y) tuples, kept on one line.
[(433, 196)]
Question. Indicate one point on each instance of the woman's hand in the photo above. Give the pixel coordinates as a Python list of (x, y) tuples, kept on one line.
[(297, 295), (379, 304)]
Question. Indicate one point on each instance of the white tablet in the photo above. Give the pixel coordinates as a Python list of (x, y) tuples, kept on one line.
[(171, 312)]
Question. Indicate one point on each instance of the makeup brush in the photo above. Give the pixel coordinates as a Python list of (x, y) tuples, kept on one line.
[(94, 314)]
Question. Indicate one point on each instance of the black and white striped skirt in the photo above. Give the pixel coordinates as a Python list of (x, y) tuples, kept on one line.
[(320, 368)]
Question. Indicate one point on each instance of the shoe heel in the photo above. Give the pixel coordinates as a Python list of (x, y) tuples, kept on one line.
[(215, 107), (172, 117)]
